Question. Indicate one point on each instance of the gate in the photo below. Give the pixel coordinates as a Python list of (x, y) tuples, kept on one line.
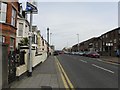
[(4, 68), (11, 67)]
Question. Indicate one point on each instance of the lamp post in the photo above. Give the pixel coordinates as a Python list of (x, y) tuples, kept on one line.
[(78, 41), (50, 38), (101, 45), (48, 41), (30, 9)]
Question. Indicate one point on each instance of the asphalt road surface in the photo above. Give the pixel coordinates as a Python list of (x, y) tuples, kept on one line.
[(87, 72)]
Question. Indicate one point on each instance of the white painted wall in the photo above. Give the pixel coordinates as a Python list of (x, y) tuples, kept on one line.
[(35, 61), (38, 59)]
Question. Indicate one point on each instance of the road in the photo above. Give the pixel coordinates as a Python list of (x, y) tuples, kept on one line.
[(86, 72)]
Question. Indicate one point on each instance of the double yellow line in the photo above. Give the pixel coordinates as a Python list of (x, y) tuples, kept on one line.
[(67, 83)]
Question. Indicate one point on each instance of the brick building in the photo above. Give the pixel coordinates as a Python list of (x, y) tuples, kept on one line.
[(107, 44), (86, 45), (8, 20), (110, 42)]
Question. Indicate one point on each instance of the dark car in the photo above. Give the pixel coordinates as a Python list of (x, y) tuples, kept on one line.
[(93, 55), (85, 53), (55, 53)]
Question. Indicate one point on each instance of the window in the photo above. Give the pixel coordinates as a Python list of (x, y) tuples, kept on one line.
[(13, 17), (43, 42), (115, 48), (33, 39), (0, 38), (20, 31), (106, 35), (115, 41), (110, 40), (3, 39), (3, 10), (12, 44), (103, 36), (119, 31), (103, 43), (103, 49)]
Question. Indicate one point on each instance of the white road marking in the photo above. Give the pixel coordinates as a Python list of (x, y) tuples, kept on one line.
[(83, 61), (103, 68), (99, 59), (107, 62)]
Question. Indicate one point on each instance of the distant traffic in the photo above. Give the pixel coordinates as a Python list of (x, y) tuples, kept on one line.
[(91, 54)]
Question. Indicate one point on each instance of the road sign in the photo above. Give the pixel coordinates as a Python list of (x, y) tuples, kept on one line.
[(30, 7)]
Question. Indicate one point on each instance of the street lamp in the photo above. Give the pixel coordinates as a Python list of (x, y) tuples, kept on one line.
[(78, 41), (50, 38), (48, 42), (30, 8)]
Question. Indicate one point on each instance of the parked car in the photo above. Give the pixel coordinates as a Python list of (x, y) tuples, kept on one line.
[(93, 55), (85, 53), (72, 53), (55, 53), (81, 53)]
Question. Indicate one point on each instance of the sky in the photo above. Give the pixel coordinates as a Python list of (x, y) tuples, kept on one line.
[(67, 19)]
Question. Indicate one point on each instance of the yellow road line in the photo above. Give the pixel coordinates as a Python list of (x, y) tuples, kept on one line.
[(64, 76), (63, 79)]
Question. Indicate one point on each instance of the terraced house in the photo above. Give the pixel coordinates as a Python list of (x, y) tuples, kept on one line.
[(8, 20), (107, 44), (8, 26), (110, 42)]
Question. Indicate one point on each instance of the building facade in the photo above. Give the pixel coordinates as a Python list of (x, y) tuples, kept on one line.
[(8, 23), (22, 27), (107, 44), (110, 42)]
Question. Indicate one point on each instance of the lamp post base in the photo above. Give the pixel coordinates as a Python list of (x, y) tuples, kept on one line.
[(29, 74)]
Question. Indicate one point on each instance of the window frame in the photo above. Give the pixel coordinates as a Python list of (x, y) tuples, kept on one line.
[(115, 40), (13, 17), (3, 11), (119, 31), (3, 39), (12, 44), (20, 30)]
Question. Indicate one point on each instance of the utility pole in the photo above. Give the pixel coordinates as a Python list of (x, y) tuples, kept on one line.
[(48, 41), (78, 41)]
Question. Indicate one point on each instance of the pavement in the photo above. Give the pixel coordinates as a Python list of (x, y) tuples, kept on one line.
[(111, 59), (46, 75)]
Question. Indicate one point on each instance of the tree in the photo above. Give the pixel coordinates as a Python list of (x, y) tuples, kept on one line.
[(24, 42)]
